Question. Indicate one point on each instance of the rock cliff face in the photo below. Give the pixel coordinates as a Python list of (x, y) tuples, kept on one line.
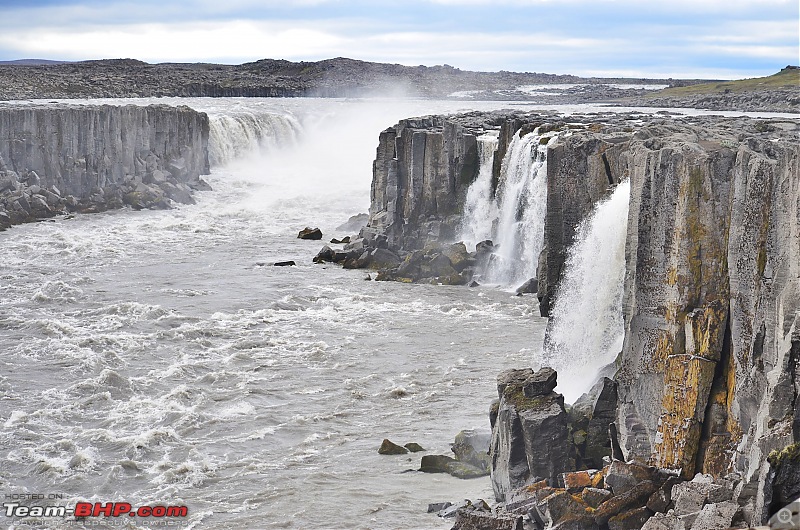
[(709, 374), (420, 178), (55, 158)]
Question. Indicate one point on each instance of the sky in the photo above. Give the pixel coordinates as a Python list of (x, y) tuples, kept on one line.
[(719, 39)]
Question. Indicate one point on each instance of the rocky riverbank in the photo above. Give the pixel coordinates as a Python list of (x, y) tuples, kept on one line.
[(707, 379), (56, 160)]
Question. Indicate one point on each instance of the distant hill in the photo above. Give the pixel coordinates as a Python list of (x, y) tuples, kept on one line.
[(786, 78), (339, 77), (779, 92), (343, 77), (31, 62)]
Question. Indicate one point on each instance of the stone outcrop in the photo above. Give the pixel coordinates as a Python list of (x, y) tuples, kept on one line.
[(57, 158), (709, 374), (530, 434)]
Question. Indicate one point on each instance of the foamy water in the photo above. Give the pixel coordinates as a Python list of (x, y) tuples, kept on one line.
[(148, 358)]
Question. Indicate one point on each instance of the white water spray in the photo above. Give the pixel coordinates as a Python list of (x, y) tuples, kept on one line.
[(234, 136), (514, 218), (586, 327), (480, 209)]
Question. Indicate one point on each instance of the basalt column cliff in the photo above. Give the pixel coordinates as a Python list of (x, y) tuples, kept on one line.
[(58, 158), (707, 379)]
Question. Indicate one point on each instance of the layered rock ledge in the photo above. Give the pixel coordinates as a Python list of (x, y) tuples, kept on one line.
[(88, 158)]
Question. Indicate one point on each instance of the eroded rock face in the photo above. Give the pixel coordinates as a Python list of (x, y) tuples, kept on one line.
[(530, 437), (708, 379), (59, 158)]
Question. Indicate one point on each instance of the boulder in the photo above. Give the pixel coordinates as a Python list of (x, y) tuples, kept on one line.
[(560, 506), (661, 499), (284, 263), (661, 521), (382, 258), (575, 481), (541, 383), (633, 498), (594, 497), (457, 255), (630, 520), (689, 497), (472, 447), (529, 287), (314, 234), (390, 448), (438, 506), (480, 520), (530, 437), (414, 447), (513, 376), (451, 466), (715, 516), (484, 247), (452, 509), (622, 477), (325, 254)]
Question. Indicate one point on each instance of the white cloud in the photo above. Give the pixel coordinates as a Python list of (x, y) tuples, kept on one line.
[(630, 37), (175, 42)]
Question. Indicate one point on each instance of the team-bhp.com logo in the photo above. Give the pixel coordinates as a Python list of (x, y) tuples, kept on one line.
[(98, 509)]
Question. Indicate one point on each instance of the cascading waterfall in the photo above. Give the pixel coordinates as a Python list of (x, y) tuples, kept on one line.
[(235, 136), (586, 327), (514, 218), (480, 209)]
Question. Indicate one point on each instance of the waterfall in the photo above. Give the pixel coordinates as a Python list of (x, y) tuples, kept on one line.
[(480, 210), (586, 327), (238, 135), (514, 218)]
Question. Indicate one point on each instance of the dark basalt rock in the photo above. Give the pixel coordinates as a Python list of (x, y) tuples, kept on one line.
[(541, 383), (390, 448), (472, 447), (414, 447), (314, 234), (284, 264), (451, 466), (529, 287)]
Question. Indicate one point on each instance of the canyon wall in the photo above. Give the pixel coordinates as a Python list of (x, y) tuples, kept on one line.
[(709, 373), (93, 157), (708, 376)]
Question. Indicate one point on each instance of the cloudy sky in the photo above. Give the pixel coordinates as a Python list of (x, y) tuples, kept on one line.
[(654, 38)]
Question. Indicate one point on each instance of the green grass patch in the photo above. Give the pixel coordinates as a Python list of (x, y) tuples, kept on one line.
[(786, 78)]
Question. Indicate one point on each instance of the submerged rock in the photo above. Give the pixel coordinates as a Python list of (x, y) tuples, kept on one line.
[(414, 447), (529, 287), (451, 466), (390, 448)]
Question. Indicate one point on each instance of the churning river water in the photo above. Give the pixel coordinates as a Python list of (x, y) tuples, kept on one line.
[(157, 358)]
